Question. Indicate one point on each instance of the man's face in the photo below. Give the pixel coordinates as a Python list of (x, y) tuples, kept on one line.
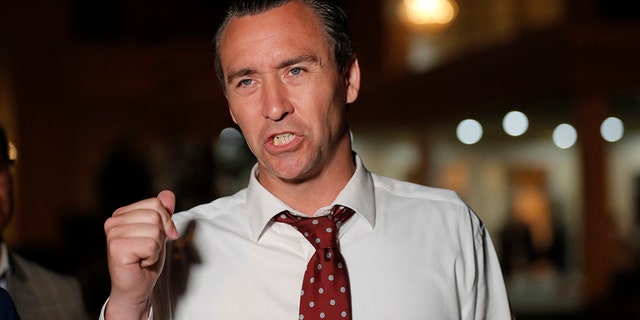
[(6, 195), (285, 92)]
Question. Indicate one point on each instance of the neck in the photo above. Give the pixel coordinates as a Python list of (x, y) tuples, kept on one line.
[(309, 195)]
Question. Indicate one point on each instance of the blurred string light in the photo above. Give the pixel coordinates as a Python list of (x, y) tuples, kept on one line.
[(612, 129), (515, 123), (427, 13), (565, 136), (469, 131)]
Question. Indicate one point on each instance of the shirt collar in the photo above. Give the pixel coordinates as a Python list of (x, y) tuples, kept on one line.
[(358, 195)]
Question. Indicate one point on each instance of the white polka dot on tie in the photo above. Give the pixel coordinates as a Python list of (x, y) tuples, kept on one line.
[(311, 304), (319, 266), (312, 280), (317, 240), (329, 230), (315, 221), (301, 292), (283, 216), (343, 289), (321, 291), (332, 302), (301, 317), (306, 234), (328, 255), (343, 314), (321, 315), (331, 277), (339, 265)]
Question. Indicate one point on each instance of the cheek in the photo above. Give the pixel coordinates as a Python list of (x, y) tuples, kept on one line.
[(239, 113), (248, 128)]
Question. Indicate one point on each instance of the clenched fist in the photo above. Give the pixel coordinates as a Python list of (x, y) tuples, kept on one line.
[(136, 249)]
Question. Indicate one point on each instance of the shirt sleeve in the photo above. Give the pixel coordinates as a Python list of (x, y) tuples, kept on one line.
[(104, 307), (488, 299)]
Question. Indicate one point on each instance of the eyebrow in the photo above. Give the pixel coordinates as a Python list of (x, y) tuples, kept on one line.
[(285, 63), (240, 73), (298, 59)]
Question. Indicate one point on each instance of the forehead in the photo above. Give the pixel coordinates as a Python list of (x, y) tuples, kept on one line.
[(282, 30)]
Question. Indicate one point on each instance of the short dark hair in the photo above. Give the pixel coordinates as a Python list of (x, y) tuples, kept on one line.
[(332, 18)]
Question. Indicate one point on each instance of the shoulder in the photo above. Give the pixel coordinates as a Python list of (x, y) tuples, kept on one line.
[(411, 191), (215, 209), (420, 205), (33, 273)]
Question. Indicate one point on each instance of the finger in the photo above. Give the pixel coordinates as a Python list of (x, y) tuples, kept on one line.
[(122, 234), (150, 203), (156, 217), (137, 230), (148, 209), (168, 200), (144, 252)]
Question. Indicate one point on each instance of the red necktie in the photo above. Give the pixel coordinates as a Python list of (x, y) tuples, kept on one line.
[(325, 289)]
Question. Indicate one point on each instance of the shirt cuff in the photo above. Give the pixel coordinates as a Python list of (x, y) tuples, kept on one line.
[(104, 307)]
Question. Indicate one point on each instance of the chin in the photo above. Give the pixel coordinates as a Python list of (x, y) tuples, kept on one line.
[(288, 173)]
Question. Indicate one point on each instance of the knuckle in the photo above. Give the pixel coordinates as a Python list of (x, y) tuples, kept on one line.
[(109, 223), (116, 245), (150, 247)]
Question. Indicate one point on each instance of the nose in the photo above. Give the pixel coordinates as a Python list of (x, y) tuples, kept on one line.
[(276, 103)]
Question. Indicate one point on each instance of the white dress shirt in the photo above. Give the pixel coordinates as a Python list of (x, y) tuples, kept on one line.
[(412, 252)]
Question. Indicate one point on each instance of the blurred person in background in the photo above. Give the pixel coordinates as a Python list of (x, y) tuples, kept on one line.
[(38, 293)]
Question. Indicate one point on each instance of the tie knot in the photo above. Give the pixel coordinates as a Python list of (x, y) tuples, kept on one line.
[(321, 232)]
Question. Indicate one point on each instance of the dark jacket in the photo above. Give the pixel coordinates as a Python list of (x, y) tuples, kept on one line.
[(7, 308)]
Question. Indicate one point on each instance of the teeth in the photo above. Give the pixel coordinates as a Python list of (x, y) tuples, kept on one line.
[(283, 139)]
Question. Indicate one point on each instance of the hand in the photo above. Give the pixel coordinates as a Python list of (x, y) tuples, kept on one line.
[(136, 249)]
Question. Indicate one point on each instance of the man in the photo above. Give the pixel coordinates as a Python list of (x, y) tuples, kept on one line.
[(411, 252), (37, 292)]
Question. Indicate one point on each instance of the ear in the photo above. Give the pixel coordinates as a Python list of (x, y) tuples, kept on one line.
[(352, 80)]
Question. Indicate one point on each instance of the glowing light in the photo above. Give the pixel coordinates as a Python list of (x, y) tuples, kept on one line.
[(565, 136), (469, 131), (612, 129), (428, 12), (515, 123), (13, 151)]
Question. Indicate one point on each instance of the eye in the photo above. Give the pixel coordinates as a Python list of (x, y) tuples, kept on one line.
[(246, 86), (245, 82), (296, 71)]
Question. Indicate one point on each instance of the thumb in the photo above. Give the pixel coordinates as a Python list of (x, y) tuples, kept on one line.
[(168, 200)]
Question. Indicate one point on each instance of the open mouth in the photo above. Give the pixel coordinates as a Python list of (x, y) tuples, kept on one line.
[(283, 139)]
